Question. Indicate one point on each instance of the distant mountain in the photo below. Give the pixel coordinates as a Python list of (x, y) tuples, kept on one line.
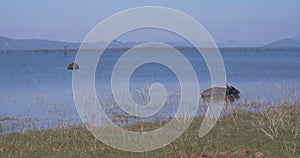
[(36, 44), (285, 43), (32, 44), (237, 44), (227, 44)]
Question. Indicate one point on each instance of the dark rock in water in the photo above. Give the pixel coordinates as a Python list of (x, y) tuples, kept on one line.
[(218, 93), (232, 94), (73, 66)]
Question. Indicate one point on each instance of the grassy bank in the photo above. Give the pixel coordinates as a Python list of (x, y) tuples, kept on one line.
[(273, 133)]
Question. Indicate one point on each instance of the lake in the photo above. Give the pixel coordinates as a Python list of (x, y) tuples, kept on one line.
[(37, 87)]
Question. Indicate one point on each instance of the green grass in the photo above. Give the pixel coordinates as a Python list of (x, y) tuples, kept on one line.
[(273, 132)]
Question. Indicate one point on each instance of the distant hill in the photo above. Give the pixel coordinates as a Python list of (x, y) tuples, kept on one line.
[(36, 44), (285, 43), (227, 44), (237, 44), (33, 44)]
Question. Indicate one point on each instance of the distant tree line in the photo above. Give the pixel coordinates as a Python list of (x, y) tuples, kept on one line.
[(150, 48)]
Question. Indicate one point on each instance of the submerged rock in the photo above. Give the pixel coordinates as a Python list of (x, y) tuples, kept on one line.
[(73, 66), (218, 93)]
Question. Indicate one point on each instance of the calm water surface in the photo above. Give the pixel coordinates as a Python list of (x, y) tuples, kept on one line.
[(39, 86)]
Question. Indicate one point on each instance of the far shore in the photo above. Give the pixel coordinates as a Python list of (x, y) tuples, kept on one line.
[(155, 48)]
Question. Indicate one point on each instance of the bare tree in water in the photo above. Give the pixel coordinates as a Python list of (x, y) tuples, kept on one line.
[(65, 48)]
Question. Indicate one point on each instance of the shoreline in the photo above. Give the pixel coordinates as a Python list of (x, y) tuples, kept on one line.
[(269, 132), (156, 48)]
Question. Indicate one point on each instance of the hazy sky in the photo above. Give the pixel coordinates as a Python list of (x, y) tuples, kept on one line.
[(255, 21)]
